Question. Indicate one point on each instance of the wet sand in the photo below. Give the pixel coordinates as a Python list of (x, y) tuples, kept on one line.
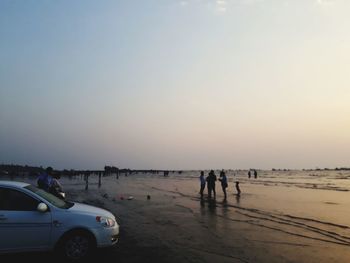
[(269, 222)]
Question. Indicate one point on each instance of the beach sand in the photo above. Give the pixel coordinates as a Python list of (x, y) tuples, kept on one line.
[(292, 216)]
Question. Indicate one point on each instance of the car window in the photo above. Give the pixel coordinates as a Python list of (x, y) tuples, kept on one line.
[(14, 200), (50, 197)]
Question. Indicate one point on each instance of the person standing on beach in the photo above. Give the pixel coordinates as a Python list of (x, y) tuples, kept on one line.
[(202, 181), (249, 174), (211, 178), (255, 174), (223, 180)]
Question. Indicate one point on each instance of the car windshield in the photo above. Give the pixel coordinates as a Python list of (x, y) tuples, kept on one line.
[(50, 197)]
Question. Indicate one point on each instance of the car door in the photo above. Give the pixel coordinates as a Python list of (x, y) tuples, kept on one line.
[(22, 226)]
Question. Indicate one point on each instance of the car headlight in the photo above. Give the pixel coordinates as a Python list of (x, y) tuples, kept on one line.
[(105, 221)]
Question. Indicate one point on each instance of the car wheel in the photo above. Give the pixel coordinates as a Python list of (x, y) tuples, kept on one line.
[(77, 245)]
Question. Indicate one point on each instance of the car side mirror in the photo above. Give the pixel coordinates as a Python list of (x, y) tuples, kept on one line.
[(42, 207)]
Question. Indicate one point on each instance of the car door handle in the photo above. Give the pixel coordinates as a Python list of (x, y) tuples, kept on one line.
[(56, 223)]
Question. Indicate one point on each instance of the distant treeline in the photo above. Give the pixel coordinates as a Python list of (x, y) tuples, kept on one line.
[(316, 169), (329, 169), (25, 170), (14, 169)]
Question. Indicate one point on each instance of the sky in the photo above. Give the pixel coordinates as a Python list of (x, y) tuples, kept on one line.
[(170, 84)]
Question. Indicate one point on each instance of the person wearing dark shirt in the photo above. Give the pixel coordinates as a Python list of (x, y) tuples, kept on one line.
[(211, 178), (238, 189), (202, 182)]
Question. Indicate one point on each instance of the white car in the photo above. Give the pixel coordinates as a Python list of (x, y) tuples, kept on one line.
[(34, 220)]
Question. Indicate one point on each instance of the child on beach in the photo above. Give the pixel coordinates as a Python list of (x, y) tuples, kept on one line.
[(238, 189)]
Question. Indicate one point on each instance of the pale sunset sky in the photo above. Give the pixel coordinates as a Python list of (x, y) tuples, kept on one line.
[(170, 84)]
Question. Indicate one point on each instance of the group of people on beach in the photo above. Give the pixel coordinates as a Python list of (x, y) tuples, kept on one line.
[(210, 180)]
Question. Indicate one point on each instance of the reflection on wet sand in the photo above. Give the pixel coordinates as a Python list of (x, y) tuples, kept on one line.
[(238, 198), (212, 205)]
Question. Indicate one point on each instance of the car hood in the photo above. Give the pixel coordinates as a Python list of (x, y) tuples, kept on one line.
[(90, 210)]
